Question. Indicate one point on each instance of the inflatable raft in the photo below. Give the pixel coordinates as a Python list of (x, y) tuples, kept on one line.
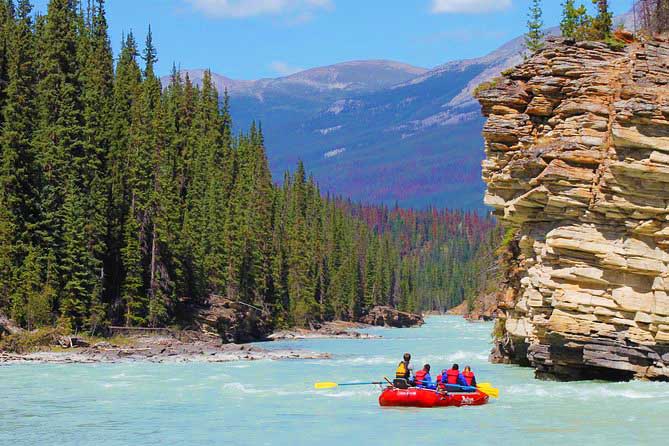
[(415, 397)]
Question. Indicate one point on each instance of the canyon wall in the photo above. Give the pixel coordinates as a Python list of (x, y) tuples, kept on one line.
[(577, 168)]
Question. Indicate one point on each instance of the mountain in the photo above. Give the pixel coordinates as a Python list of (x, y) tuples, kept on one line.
[(378, 131)]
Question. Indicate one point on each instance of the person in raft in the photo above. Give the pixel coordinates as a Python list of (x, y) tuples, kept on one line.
[(469, 376), (452, 380), (423, 379), (404, 369)]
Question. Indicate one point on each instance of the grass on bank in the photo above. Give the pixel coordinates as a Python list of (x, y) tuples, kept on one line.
[(48, 339)]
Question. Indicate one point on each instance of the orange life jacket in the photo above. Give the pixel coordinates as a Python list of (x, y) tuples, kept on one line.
[(419, 377), (469, 377), (452, 376)]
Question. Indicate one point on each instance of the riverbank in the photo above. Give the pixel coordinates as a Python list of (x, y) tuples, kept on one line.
[(176, 346), (53, 345), (181, 347), (328, 330)]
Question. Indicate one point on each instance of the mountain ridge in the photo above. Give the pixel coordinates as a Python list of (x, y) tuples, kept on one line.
[(379, 130)]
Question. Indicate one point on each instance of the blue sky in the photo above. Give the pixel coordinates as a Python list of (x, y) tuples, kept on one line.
[(250, 39)]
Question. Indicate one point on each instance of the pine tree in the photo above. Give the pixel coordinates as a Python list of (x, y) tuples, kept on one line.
[(58, 140), (603, 21), (125, 94), (574, 20), (98, 83), (534, 38), (18, 172), (136, 254), (7, 264), (6, 25)]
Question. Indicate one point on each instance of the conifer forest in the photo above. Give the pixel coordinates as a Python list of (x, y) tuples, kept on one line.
[(124, 201)]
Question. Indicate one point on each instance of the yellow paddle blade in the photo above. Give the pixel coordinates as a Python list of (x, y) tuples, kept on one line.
[(325, 385), (488, 389)]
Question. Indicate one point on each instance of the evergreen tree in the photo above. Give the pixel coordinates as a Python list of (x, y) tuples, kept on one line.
[(126, 203), (98, 84), (6, 25), (18, 172), (603, 21), (534, 38), (59, 142), (574, 20)]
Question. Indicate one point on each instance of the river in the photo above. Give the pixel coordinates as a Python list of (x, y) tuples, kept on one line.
[(273, 403)]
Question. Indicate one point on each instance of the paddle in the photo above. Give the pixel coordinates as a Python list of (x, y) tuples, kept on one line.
[(329, 385), (488, 389)]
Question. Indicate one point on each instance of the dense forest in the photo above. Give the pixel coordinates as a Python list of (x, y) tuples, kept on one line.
[(124, 202)]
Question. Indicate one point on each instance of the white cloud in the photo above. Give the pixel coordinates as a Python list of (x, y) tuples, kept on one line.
[(469, 6), (249, 8), (284, 69), (335, 152)]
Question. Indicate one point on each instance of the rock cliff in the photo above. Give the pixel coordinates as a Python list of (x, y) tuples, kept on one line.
[(577, 165), (390, 317)]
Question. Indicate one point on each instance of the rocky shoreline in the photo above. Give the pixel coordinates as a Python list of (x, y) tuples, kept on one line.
[(328, 330), (183, 346), (188, 347), (219, 337)]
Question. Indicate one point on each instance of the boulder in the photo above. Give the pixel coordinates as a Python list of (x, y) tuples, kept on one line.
[(7, 326), (235, 322), (383, 316)]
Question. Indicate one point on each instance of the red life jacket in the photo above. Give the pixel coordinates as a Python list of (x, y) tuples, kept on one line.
[(469, 377), (420, 376), (452, 376)]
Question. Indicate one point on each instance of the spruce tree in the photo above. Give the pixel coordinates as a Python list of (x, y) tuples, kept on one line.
[(125, 94), (534, 38), (98, 83), (603, 21), (59, 143), (18, 172), (6, 25)]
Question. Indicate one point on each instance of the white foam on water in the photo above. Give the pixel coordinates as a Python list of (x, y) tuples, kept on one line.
[(457, 356), (351, 393), (240, 388), (117, 384), (358, 360), (588, 391)]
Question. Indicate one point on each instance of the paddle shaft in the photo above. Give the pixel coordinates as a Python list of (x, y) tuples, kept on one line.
[(361, 384)]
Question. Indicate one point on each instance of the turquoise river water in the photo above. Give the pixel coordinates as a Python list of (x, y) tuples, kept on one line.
[(273, 403)]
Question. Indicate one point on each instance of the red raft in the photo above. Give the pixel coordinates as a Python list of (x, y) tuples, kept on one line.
[(414, 397)]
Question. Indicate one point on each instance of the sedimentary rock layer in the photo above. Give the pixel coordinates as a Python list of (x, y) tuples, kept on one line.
[(577, 145)]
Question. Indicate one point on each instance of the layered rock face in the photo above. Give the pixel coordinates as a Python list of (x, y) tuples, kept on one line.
[(390, 317), (577, 144)]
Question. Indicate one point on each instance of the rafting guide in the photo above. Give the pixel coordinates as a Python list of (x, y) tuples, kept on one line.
[(451, 388)]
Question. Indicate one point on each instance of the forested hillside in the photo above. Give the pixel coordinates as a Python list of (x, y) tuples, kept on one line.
[(127, 203)]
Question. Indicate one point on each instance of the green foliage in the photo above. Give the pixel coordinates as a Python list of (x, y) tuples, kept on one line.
[(534, 38), (32, 340), (488, 85), (499, 329), (614, 43), (578, 24), (603, 21), (123, 202), (575, 20)]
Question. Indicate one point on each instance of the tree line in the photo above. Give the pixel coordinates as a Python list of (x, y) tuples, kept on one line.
[(577, 23), (650, 16), (124, 202)]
